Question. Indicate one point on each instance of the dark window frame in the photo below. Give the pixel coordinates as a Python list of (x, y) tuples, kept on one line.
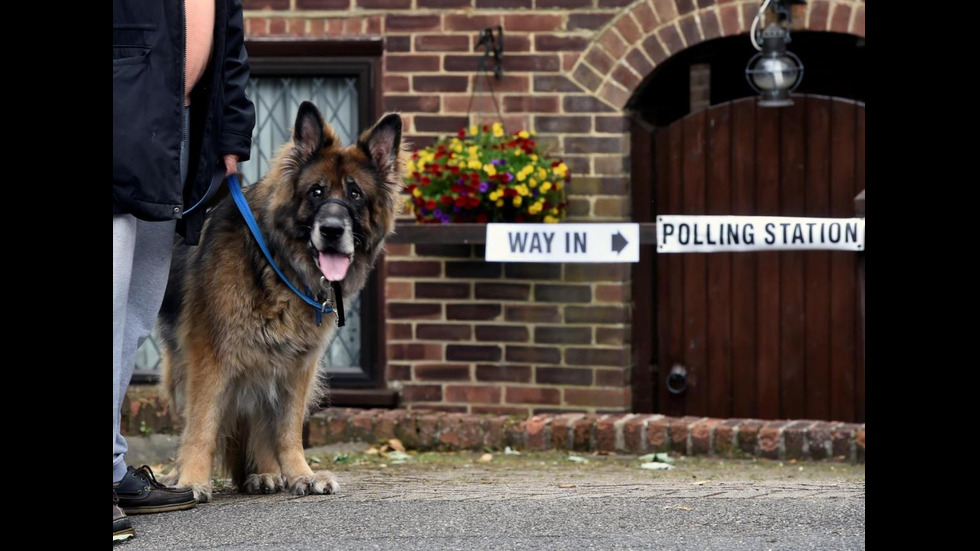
[(360, 58)]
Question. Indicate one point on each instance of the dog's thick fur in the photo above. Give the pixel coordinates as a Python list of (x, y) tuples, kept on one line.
[(241, 351)]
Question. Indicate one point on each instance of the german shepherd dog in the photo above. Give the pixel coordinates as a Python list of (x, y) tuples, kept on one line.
[(241, 351)]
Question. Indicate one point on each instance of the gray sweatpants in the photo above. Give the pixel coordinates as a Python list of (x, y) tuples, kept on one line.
[(141, 254)]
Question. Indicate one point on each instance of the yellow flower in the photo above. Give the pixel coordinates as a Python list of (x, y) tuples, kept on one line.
[(522, 189), (474, 164), (533, 133), (472, 149), (542, 173), (535, 207), (545, 187), (532, 182), (534, 157), (521, 176), (548, 219), (498, 130), (490, 169), (517, 152), (500, 202), (416, 192), (518, 200), (559, 186), (473, 130), (494, 195), (410, 167), (523, 134)]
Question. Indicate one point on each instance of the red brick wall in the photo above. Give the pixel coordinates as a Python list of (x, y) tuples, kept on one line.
[(465, 335)]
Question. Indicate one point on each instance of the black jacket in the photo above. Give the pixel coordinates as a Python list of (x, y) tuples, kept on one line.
[(147, 105)]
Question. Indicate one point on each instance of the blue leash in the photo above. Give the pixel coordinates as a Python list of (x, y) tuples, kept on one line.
[(236, 194)]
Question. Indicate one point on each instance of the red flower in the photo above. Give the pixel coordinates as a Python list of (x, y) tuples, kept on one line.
[(461, 134), (447, 200), (430, 204), (426, 181), (473, 202)]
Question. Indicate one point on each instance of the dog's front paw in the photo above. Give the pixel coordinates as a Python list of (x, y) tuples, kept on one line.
[(322, 482), (266, 483), (202, 492)]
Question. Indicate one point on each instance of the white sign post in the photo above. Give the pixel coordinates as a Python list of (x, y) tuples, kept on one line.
[(708, 234), (563, 242)]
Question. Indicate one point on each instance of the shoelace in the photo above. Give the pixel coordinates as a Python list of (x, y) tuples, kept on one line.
[(146, 474)]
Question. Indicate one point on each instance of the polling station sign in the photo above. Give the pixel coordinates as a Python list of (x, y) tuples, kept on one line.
[(563, 243), (708, 234)]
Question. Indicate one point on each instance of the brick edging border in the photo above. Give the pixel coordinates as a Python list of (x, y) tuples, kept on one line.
[(620, 432)]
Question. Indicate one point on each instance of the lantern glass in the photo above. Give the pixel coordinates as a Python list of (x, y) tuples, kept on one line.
[(775, 73)]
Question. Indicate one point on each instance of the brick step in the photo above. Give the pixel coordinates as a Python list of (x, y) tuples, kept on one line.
[(144, 412)]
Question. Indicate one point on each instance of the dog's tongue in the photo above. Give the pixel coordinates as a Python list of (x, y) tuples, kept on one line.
[(334, 266)]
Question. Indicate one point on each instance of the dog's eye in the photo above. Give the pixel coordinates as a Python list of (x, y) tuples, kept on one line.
[(316, 191), (354, 195)]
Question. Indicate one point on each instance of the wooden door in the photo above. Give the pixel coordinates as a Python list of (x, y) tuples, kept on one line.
[(770, 335)]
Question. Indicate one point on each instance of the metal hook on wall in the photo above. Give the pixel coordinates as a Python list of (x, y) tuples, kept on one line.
[(492, 44)]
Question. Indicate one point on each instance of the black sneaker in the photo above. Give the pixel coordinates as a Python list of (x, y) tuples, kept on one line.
[(122, 529), (139, 492)]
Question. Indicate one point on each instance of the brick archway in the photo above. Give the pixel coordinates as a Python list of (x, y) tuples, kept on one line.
[(649, 32)]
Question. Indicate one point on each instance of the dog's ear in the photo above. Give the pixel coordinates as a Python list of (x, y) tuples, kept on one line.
[(308, 135), (382, 143)]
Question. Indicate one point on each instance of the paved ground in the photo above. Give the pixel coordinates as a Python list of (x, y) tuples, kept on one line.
[(539, 501)]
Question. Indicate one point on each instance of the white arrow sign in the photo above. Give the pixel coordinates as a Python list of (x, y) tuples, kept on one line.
[(563, 242)]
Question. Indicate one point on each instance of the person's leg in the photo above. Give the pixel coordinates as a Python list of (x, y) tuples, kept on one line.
[(123, 249), (148, 281)]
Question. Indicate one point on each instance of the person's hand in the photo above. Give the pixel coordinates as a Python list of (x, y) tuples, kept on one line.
[(231, 165)]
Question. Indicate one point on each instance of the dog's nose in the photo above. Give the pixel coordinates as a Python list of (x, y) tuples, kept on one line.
[(332, 228)]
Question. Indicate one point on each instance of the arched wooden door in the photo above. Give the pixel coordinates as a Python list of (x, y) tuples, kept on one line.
[(772, 335)]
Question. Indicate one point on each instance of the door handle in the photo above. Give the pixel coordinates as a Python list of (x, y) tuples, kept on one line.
[(677, 379)]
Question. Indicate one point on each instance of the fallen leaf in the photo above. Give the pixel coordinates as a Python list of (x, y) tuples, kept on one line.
[(662, 457), (700, 482), (397, 458), (508, 451), (679, 507), (656, 466), (486, 458), (396, 444), (567, 486), (577, 459), (371, 451)]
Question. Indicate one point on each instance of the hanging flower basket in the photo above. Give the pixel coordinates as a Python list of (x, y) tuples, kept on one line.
[(485, 176)]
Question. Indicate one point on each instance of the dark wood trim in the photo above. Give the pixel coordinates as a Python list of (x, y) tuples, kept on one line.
[(475, 234), (644, 277), (859, 211), (365, 46), (145, 377), (368, 397)]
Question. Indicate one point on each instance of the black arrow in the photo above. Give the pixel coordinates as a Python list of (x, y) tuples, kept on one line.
[(618, 242)]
